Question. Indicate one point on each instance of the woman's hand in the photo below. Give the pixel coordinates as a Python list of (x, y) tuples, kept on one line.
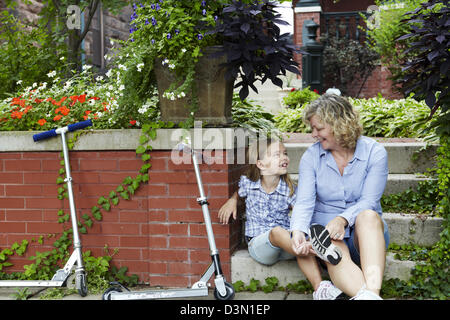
[(299, 244), (336, 228), (227, 210)]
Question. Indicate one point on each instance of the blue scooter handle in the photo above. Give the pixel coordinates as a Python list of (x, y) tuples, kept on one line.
[(71, 127)]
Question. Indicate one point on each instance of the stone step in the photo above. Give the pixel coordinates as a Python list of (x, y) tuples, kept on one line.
[(244, 268), (403, 157), (403, 229), (397, 182)]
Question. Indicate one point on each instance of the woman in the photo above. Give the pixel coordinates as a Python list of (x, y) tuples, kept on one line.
[(341, 180)]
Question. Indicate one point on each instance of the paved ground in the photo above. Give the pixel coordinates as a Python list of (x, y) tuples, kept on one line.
[(11, 294)]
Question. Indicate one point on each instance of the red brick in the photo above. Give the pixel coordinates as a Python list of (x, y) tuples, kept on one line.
[(100, 165), (170, 281), (22, 165), (157, 242), (120, 228), (158, 229), (43, 203), (133, 216), (168, 203), (23, 215), (12, 227), (40, 178), (7, 203), (47, 227), (23, 190), (185, 216), (9, 177), (167, 255), (138, 242)]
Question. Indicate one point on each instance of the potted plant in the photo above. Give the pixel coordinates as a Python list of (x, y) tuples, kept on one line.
[(196, 47)]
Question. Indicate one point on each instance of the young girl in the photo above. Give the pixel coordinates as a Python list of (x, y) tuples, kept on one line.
[(269, 196)]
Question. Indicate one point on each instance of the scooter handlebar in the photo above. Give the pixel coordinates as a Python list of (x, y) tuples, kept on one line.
[(71, 127), (44, 135)]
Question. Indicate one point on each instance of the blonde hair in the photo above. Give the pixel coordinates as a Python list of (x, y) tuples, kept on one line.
[(337, 112), (257, 151)]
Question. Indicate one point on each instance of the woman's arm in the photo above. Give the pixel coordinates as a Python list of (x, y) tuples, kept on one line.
[(306, 194)]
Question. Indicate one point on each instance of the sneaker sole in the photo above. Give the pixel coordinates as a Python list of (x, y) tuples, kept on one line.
[(321, 243)]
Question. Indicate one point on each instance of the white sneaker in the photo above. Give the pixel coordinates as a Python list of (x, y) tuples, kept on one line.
[(322, 245), (326, 291), (364, 294)]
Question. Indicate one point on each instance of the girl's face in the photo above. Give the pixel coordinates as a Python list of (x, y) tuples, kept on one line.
[(323, 133), (275, 161)]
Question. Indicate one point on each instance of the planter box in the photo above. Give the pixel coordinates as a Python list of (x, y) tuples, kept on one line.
[(215, 93)]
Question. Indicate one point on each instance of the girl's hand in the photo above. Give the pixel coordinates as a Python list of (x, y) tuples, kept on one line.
[(229, 208), (299, 244), (336, 228)]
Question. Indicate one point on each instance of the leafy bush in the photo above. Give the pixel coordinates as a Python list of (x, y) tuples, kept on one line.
[(383, 38), (405, 118), (27, 54), (380, 117), (347, 63), (297, 98), (248, 115), (84, 96)]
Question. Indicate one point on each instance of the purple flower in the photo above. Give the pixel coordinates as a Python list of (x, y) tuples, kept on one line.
[(146, 22), (199, 36), (177, 31), (169, 36), (154, 22), (203, 3), (204, 12)]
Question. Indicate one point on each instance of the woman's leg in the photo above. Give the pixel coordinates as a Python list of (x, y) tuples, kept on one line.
[(370, 243), (346, 275), (280, 237)]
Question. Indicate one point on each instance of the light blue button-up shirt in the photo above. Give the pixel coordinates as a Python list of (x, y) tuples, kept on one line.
[(323, 193)]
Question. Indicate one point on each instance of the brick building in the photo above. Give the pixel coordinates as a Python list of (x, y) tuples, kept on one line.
[(345, 13)]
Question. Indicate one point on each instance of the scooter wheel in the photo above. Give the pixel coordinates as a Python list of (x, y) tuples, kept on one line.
[(229, 295), (107, 294), (81, 284)]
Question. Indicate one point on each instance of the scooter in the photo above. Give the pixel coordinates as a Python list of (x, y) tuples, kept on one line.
[(62, 276), (223, 290)]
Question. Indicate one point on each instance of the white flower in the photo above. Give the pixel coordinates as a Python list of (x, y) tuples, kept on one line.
[(51, 74), (122, 67), (86, 67), (19, 82), (171, 66), (34, 85), (183, 50), (62, 58), (99, 78), (165, 61), (139, 67), (121, 87), (44, 85), (109, 73)]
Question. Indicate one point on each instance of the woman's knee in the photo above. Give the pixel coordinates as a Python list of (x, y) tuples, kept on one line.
[(370, 219)]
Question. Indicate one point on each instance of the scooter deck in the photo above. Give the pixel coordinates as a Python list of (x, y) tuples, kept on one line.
[(159, 294), (31, 283)]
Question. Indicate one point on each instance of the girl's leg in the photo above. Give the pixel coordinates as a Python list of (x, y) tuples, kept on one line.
[(346, 275), (280, 238), (370, 243)]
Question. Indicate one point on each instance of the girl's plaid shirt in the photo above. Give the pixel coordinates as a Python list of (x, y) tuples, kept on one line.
[(265, 211)]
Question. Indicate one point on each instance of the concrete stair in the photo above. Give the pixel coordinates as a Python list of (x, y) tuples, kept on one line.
[(406, 159)]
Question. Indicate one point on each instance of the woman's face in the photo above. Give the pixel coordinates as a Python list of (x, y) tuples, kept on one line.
[(323, 133)]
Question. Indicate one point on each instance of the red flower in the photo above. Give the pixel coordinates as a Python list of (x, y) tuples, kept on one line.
[(58, 117), (293, 89), (316, 91), (16, 115), (42, 122), (133, 122), (18, 101)]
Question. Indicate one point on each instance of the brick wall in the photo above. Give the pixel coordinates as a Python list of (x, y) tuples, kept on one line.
[(159, 233)]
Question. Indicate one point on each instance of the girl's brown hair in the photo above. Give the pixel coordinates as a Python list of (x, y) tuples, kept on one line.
[(257, 151)]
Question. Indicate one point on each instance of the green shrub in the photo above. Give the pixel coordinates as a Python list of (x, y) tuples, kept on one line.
[(297, 98)]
